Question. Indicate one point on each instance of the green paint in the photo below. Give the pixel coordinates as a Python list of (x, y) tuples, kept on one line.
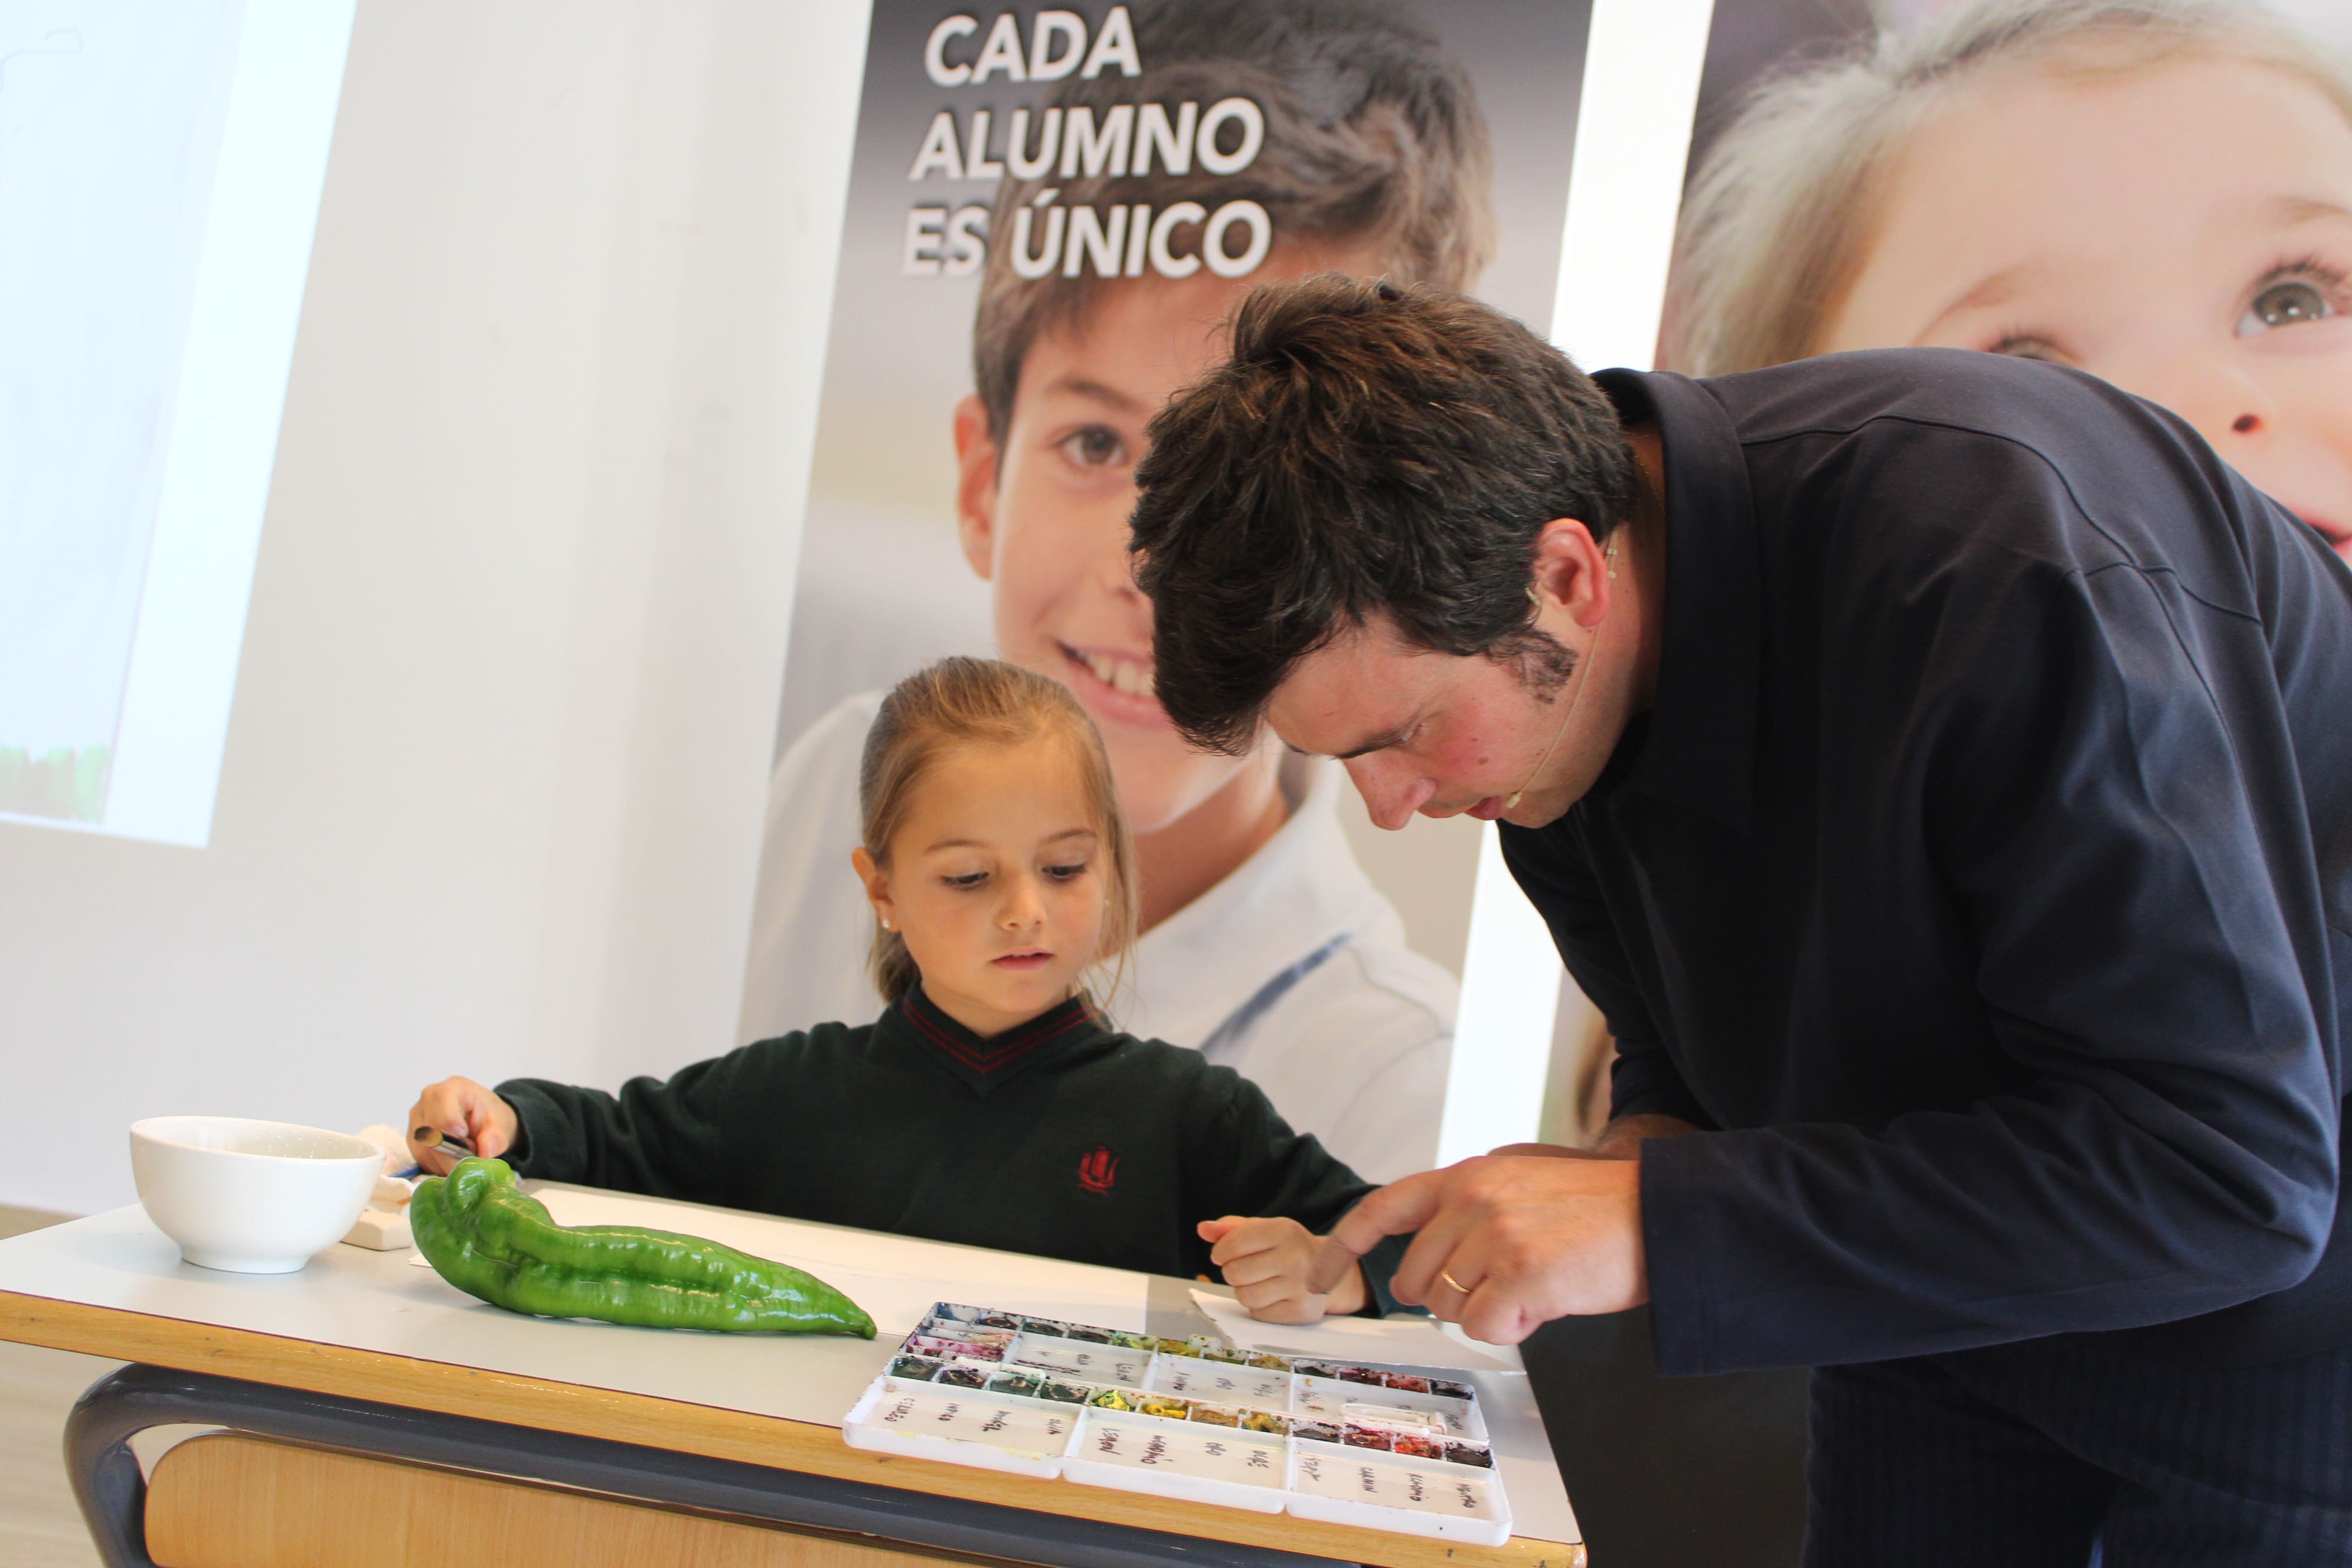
[(66, 783)]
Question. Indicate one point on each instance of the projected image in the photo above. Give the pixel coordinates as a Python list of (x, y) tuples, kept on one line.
[(157, 203), (97, 264)]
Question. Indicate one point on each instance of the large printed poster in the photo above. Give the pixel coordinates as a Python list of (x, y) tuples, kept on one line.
[(2158, 192), (1051, 210), (2161, 194)]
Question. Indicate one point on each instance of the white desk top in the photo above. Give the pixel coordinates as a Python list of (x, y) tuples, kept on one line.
[(377, 1302)]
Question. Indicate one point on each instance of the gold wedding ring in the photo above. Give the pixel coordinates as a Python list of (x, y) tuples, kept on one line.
[(1458, 1284)]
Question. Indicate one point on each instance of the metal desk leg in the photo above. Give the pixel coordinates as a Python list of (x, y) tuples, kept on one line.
[(113, 1493)]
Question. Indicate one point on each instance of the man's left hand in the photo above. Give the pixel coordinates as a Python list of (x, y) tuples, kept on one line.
[(1507, 1242)]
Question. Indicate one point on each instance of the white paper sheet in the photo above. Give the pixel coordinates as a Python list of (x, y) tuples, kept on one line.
[(1416, 1342), (896, 1280)]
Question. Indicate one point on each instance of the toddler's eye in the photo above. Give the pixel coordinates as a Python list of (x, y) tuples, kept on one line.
[(968, 880), (1067, 873), (2026, 345), (2288, 302), (1094, 446)]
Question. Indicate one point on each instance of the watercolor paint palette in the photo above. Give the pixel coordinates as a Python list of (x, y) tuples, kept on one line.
[(1201, 1418)]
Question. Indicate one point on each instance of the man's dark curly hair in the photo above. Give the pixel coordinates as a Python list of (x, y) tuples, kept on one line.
[(1368, 449)]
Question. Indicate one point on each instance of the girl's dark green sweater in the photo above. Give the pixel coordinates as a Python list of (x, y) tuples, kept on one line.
[(1059, 1138)]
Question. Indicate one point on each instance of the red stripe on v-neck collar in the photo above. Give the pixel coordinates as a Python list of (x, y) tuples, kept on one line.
[(983, 1061)]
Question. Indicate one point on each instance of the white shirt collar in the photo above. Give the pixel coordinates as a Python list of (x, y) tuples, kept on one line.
[(1302, 888)]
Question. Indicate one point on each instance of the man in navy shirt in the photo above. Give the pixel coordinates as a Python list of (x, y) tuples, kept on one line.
[(1938, 769)]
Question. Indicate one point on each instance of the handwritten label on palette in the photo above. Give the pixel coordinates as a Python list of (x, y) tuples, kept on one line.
[(1015, 1426), (1386, 1483), (1206, 1453), (1089, 1362), (1253, 1387)]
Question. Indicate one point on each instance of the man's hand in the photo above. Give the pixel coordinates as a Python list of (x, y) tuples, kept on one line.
[(1621, 1140), (1266, 1262), (461, 1106), (1507, 1242)]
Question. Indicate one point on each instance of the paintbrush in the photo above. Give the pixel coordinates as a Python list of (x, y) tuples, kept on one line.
[(448, 1142)]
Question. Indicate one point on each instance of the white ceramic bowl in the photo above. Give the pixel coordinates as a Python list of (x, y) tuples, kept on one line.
[(254, 1197)]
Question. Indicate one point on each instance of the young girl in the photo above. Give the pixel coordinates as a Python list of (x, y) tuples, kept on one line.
[(991, 1104), (2158, 192)]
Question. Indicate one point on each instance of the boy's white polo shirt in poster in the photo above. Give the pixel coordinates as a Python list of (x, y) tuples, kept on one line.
[(1293, 971)]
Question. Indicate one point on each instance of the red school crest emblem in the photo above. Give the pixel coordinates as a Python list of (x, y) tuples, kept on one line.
[(1098, 1169)]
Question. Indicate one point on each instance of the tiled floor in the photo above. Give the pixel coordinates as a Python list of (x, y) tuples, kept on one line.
[(39, 1526)]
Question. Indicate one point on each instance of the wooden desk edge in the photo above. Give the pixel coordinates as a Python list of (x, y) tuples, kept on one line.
[(771, 1441)]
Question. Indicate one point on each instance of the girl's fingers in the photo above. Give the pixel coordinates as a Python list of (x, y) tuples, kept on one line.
[(1232, 1249), (442, 1106), (1329, 1262), (457, 1106), (421, 1114), (1258, 1267), (1287, 1312), (1277, 1302), (1247, 1240)]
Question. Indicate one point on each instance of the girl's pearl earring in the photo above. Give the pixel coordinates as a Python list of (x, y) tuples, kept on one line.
[(885, 922)]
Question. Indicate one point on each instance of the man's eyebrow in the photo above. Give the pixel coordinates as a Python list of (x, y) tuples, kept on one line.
[(1096, 391), (1376, 744)]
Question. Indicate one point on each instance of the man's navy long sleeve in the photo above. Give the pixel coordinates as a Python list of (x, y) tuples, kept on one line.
[(1979, 879)]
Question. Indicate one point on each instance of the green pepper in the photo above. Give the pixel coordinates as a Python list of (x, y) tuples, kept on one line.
[(485, 1236)]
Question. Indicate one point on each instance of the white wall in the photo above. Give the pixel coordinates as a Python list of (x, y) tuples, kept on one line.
[(492, 793), (1524, 1028)]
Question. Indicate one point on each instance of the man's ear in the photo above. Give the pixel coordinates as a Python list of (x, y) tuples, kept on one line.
[(878, 885), (1570, 571), (976, 464)]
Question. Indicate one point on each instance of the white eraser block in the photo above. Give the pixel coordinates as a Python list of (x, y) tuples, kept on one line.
[(390, 1192), (380, 1232)]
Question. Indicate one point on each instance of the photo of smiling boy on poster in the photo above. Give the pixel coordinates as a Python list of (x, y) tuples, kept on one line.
[(1098, 187)]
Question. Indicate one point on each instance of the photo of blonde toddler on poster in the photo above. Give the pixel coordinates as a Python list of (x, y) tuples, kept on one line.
[(2157, 191)]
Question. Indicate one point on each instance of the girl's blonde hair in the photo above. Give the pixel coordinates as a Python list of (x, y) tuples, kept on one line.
[(986, 701), (1775, 220)]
